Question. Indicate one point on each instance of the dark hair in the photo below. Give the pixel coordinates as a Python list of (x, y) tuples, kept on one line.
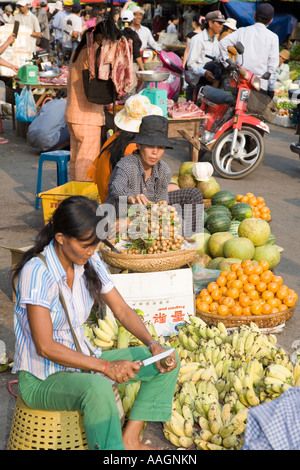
[(62, 93), (196, 19), (75, 217), (262, 19), (174, 17), (118, 146)]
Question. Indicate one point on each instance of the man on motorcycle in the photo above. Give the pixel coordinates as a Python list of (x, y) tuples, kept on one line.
[(200, 68), (261, 45)]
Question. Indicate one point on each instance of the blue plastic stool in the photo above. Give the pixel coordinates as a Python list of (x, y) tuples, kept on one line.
[(61, 157)]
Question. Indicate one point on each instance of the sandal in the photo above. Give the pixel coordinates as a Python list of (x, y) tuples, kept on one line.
[(3, 140)]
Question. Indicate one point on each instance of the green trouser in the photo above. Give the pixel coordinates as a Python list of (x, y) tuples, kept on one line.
[(94, 396)]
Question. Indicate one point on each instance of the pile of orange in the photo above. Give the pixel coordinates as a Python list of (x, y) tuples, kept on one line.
[(258, 205), (246, 289)]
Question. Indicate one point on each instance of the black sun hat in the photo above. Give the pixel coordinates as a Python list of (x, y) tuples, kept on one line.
[(153, 131)]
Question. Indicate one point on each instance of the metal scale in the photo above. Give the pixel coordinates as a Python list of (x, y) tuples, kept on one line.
[(157, 96)]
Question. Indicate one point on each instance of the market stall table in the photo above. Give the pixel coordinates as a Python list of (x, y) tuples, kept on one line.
[(42, 86)]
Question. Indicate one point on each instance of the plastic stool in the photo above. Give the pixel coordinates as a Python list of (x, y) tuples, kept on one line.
[(46, 430), (61, 157)]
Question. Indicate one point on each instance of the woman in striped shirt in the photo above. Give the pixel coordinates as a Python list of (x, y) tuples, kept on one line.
[(46, 357)]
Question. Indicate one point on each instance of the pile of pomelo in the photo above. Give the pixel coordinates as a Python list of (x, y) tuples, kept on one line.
[(247, 289)]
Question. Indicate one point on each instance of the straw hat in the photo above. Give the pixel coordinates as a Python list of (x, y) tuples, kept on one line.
[(135, 108), (231, 24), (284, 54)]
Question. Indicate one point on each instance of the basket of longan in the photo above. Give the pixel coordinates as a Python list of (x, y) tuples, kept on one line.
[(153, 241)]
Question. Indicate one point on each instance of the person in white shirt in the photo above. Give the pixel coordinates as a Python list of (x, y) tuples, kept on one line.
[(172, 27), (261, 45), (8, 15), (199, 67), (26, 18), (143, 32), (57, 24), (72, 27)]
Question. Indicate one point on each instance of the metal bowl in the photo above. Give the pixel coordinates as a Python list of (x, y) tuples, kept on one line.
[(153, 76), (50, 74)]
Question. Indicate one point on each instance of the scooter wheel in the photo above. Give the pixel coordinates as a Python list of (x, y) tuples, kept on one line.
[(249, 152)]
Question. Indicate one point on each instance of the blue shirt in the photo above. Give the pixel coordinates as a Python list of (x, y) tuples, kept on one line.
[(38, 285)]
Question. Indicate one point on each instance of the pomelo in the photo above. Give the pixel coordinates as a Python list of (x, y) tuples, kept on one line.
[(174, 178), (269, 253), (208, 188), (202, 259), (241, 248), (216, 242), (214, 263), (186, 168), (256, 230), (186, 181), (202, 241)]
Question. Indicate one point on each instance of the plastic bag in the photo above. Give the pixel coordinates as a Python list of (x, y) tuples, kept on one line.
[(203, 276), (26, 110)]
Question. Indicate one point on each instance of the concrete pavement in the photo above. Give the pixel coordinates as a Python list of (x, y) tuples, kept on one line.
[(277, 180)]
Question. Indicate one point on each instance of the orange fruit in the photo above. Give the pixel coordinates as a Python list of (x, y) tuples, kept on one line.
[(213, 307), (282, 307), (221, 281), (207, 298), (266, 309), (223, 310), (236, 310), (233, 292), (267, 294), (261, 286), (223, 290), (228, 301), (203, 292), (260, 200), (289, 301), (293, 293), (249, 269), (239, 272), (237, 284), (216, 294), (235, 266), (238, 197), (264, 264), (273, 302), (246, 262), (254, 278), (231, 276), (273, 287), (247, 311), (258, 270), (256, 308), (243, 278), (211, 286), (223, 273), (244, 300), (266, 276), (244, 199), (282, 292), (277, 279), (248, 286), (250, 195), (265, 216), (252, 201), (204, 306), (265, 210), (275, 310), (253, 294)]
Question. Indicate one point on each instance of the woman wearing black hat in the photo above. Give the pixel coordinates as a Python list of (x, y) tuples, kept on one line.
[(143, 177)]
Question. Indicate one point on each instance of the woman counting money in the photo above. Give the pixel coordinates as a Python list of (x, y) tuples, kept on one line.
[(59, 280)]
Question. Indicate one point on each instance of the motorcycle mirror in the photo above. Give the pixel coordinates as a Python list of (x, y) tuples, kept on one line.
[(239, 47), (266, 76)]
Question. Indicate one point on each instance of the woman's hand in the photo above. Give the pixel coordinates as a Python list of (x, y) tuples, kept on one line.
[(156, 348), (122, 371), (138, 199)]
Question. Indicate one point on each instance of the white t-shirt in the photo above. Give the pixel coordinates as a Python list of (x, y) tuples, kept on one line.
[(68, 29)]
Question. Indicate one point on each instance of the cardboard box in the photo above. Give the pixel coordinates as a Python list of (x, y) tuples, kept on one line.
[(16, 255), (166, 298)]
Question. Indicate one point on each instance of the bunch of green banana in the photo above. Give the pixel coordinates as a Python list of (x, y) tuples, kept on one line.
[(128, 394)]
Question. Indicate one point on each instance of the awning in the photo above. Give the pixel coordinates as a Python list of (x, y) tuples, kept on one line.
[(243, 12)]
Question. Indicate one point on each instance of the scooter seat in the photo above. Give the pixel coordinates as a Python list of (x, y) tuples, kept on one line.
[(217, 96)]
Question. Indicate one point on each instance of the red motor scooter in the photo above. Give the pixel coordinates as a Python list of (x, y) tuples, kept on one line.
[(230, 132)]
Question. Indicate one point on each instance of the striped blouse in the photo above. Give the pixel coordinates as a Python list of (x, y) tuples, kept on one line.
[(38, 285)]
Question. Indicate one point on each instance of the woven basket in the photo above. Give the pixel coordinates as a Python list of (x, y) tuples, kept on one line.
[(149, 262), (46, 430), (262, 321)]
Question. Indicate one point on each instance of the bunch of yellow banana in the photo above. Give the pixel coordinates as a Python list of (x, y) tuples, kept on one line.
[(106, 333), (128, 395)]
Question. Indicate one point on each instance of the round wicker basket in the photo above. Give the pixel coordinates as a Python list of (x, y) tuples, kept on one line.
[(149, 262), (262, 321)]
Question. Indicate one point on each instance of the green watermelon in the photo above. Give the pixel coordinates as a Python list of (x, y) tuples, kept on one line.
[(223, 197), (217, 209), (218, 223), (234, 226), (241, 211)]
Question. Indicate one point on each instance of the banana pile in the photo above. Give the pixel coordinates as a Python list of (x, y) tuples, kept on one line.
[(222, 375), (108, 333), (128, 394)]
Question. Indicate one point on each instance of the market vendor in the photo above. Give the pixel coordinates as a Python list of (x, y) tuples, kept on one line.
[(144, 177), (283, 71), (71, 274)]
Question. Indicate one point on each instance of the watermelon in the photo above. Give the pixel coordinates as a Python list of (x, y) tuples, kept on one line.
[(218, 223), (217, 209), (234, 226), (241, 211), (223, 197), (271, 240)]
